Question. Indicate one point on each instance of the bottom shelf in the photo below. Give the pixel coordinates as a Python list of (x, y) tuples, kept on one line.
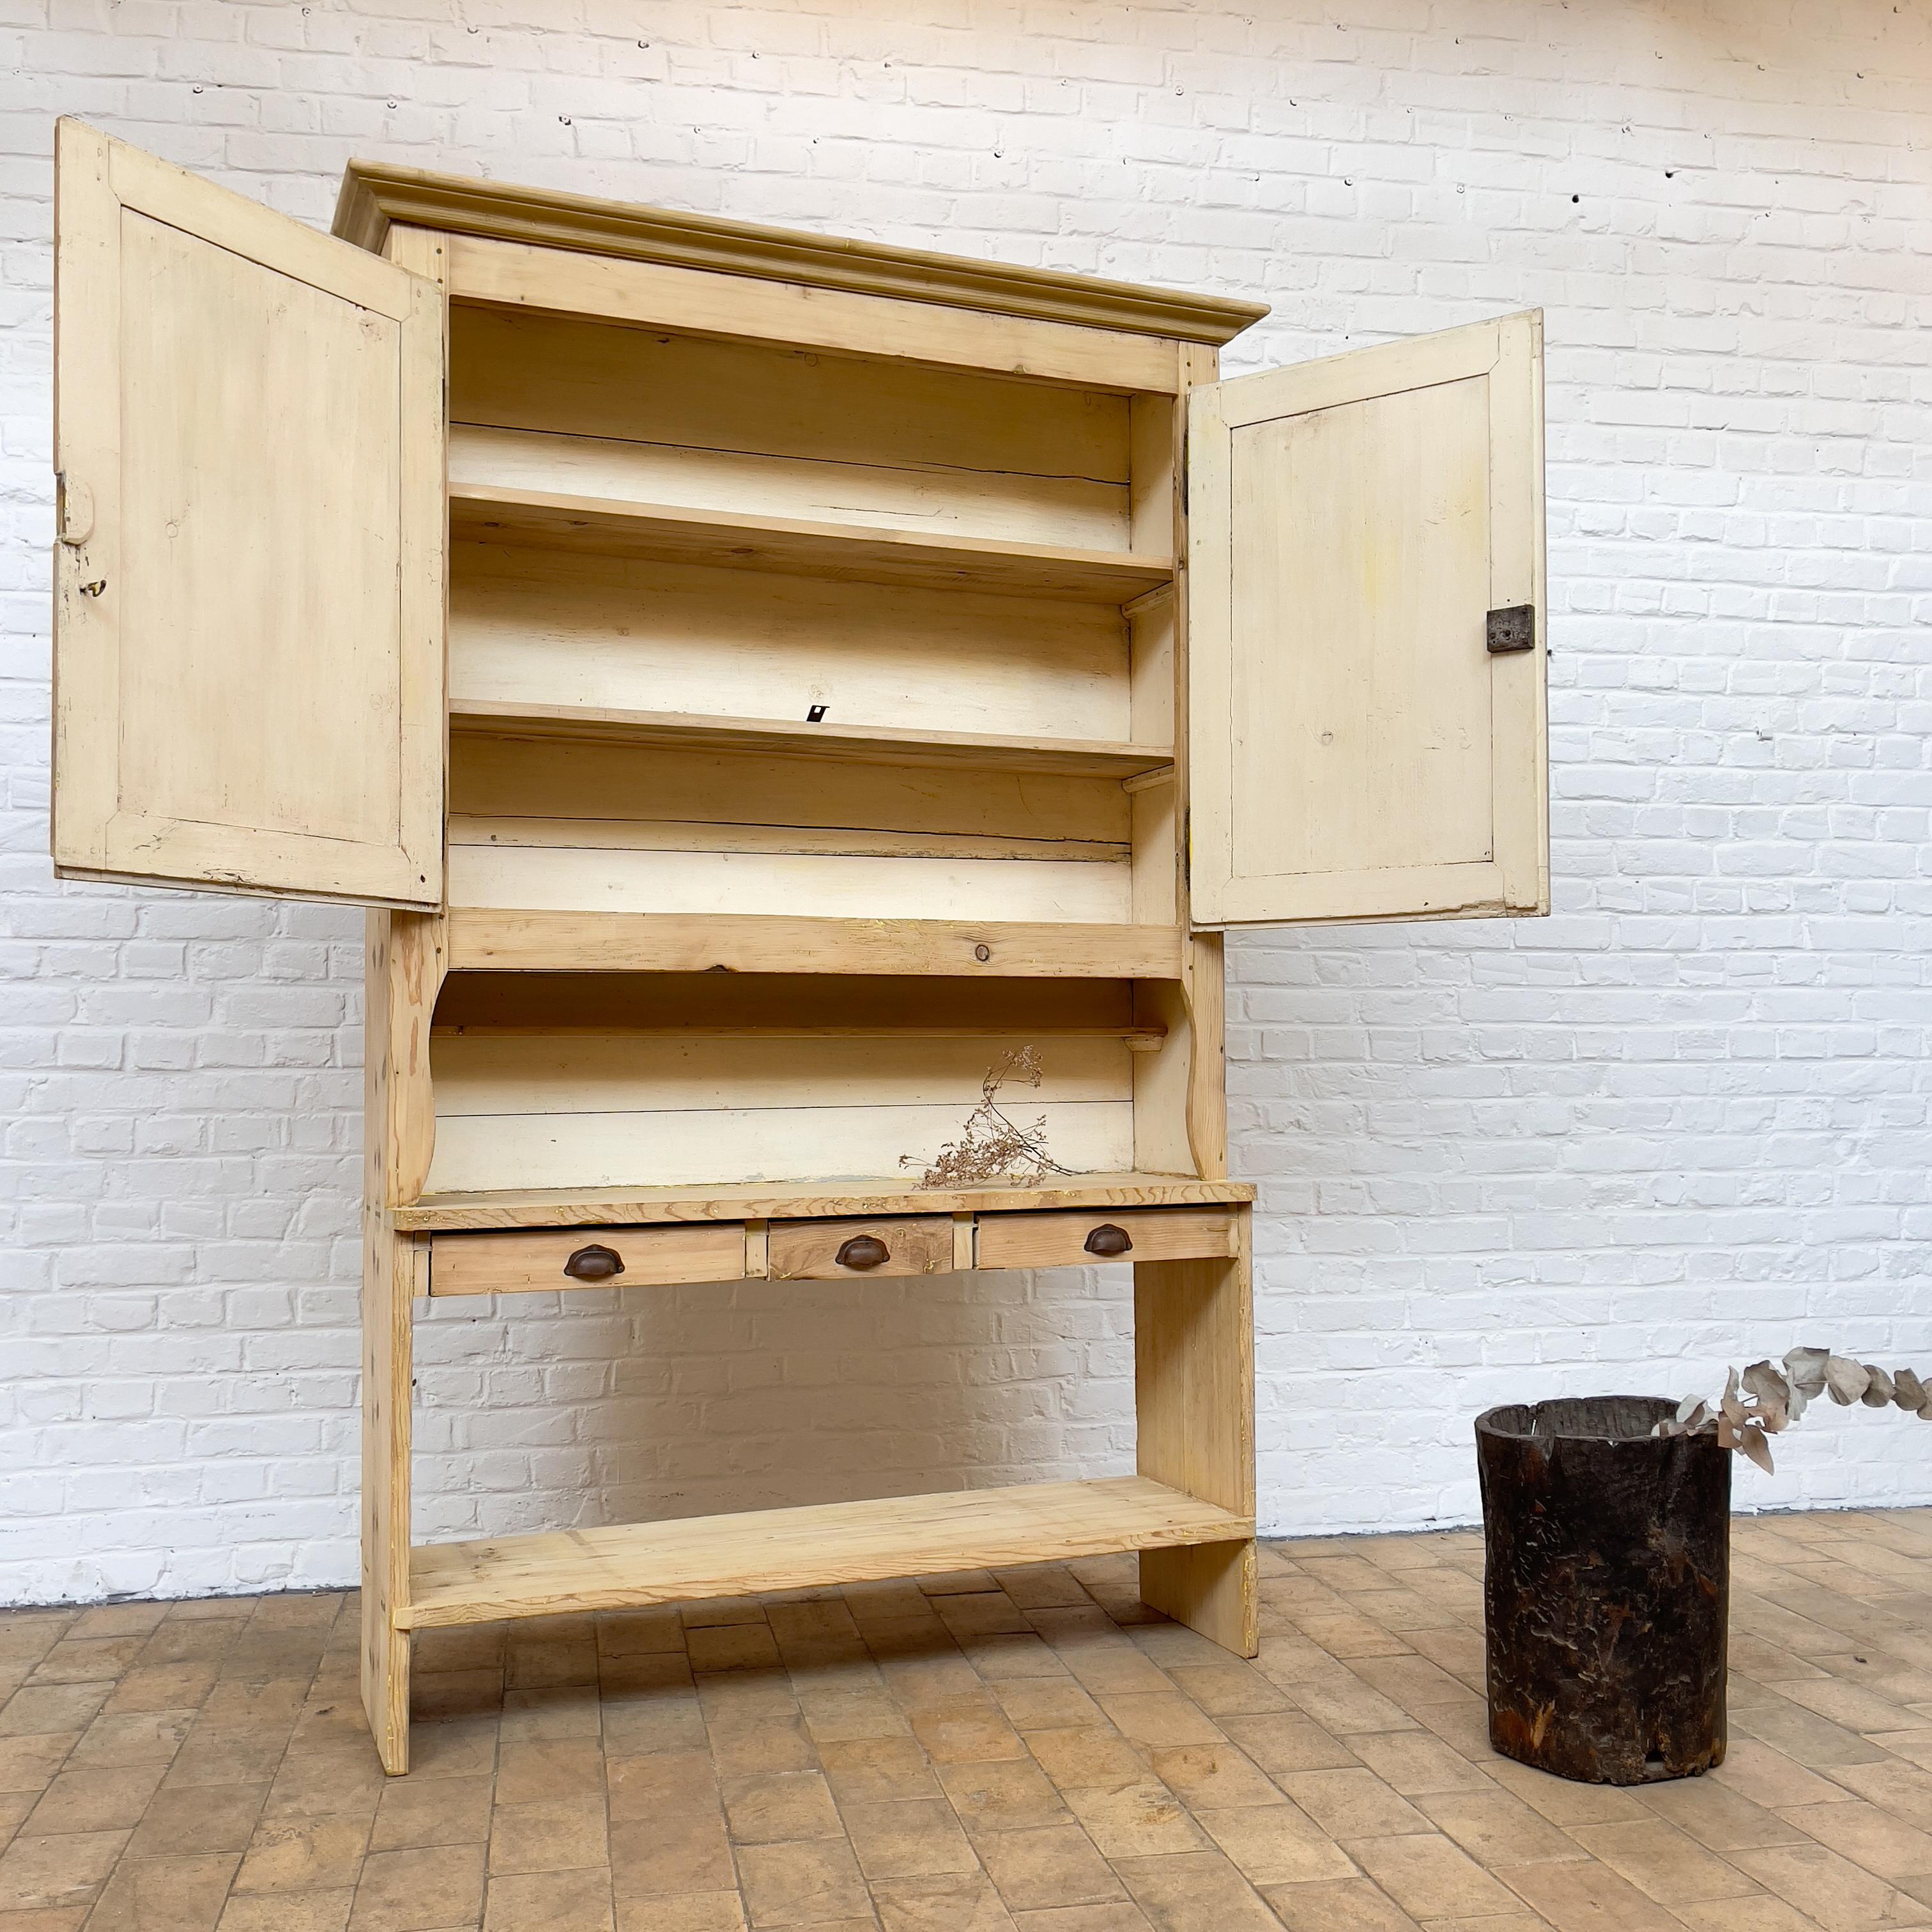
[(698, 1557)]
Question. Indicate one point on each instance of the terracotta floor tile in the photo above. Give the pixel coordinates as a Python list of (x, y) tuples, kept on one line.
[(188, 1819), (1056, 1865), (907, 1838), (1663, 1862), (1903, 1790), (952, 1902), (69, 1870), (661, 1857), (963, 1731), (422, 1891), (90, 1799), (36, 1709), (1121, 1914), (1276, 1844), (287, 1911), (1010, 1794), (1167, 1718), (1197, 1892), (770, 1808), (1352, 1804), (1498, 1829), (732, 1647), (1341, 1905), (1040, 1705), (1840, 1896), (1416, 1764), (1590, 1897), (691, 1912), (813, 1883), (210, 1755), (528, 1769), (1089, 1754), (338, 1783), (665, 1784), (1140, 1820), (744, 1747), (139, 1737), (1286, 1741), (1768, 1778), (1722, 1819), (1212, 1776), (1803, 1734), (571, 1901), (415, 1811), (1767, 1915), (303, 1854), (1428, 1876), (660, 1724), (1228, 1690), (31, 1763), (1561, 1800), (879, 1767), (1872, 1839), (77, 1659), (162, 1687), (183, 1894), (556, 1835), (837, 1717)]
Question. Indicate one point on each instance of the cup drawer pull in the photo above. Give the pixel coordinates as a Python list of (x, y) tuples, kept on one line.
[(862, 1251), (1107, 1239), (594, 1264)]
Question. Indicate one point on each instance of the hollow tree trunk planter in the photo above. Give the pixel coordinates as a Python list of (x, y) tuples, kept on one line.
[(1606, 1588)]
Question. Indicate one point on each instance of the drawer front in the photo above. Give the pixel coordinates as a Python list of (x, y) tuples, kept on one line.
[(812, 1250), (647, 1257), (1096, 1234)]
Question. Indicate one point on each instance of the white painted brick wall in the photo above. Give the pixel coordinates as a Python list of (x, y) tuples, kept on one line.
[(1683, 1121)]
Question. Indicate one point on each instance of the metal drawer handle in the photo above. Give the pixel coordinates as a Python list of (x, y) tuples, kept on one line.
[(594, 1264), (1107, 1239), (862, 1251)]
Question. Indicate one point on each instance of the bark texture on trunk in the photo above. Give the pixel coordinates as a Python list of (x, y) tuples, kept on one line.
[(1606, 1588)]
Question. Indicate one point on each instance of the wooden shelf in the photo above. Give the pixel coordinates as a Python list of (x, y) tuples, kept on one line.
[(770, 1200), (862, 744), (486, 939), (740, 1555), (674, 533)]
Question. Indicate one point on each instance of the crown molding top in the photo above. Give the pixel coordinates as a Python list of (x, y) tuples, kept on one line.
[(376, 195)]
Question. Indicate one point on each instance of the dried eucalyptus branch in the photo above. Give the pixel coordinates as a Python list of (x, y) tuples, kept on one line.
[(991, 1147), (1763, 1400)]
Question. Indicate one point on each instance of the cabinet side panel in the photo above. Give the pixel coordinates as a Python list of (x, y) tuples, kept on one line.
[(1194, 1399)]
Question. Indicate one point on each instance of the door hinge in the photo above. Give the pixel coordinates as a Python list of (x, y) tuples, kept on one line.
[(1512, 629), (1187, 848)]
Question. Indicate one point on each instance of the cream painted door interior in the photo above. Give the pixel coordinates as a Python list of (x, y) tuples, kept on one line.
[(1367, 736), (248, 604)]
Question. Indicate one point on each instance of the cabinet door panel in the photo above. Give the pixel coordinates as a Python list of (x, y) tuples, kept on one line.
[(248, 614), (1358, 749)]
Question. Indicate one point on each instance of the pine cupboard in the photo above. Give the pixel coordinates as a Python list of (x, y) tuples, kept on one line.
[(758, 682)]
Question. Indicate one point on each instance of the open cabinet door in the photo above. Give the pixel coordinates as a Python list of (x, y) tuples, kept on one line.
[(248, 581), (1366, 727)]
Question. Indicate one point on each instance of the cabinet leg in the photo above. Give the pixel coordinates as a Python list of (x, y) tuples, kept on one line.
[(1194, 1394), (388, 1354)]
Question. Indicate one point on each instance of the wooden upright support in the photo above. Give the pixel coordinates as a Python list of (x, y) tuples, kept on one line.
[(1194, 1383)]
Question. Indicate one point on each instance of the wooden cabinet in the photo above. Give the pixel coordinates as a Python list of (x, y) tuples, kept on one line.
[(763, 686)]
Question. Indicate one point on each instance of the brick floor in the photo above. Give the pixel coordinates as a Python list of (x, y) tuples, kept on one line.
[(1027, 1751)]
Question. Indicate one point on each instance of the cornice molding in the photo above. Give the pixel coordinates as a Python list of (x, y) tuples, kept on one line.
[(376, 195)]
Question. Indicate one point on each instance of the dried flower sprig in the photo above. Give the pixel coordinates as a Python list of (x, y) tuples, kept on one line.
[(1763, 1400), (991, 1147)]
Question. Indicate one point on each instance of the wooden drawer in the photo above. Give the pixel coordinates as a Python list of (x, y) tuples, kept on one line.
[(1152, 1234), (651, 1258), (810, 1250)]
